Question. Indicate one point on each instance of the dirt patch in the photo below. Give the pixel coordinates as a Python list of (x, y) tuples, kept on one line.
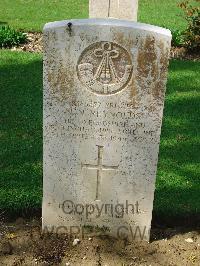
[(183, 54), (22, 243), (33, 45)]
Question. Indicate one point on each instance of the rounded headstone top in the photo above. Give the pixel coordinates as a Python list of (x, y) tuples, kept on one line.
[(108, 22)]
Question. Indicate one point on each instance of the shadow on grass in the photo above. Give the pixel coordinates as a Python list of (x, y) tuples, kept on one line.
[(177, 200), (21, 132), (3, 23)]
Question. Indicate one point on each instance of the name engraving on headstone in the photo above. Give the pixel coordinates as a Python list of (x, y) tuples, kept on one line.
[(100, 167), (108, 120), (105, 68)]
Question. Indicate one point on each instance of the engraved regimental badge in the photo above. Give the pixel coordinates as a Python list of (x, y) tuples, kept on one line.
[(105, 68)]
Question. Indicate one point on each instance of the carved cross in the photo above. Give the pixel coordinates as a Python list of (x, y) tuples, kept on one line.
[(100, 167)]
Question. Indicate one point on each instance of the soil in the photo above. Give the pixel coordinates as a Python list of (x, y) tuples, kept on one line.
[(22, 243), (34, 44), (183, 54)]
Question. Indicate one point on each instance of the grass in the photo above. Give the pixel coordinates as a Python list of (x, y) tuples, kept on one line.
[(31, 15), (21, 131), (178, 180), (162, 13)]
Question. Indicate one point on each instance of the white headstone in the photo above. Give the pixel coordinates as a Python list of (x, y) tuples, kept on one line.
[(104, 88), (121, 9)]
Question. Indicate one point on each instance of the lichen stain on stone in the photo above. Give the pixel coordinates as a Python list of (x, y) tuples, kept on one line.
[(133, 91), (118, 37), (159, 87), (147, 59), (127, 43), (121, 39), (61, 82), (164, 59), (151, 67)]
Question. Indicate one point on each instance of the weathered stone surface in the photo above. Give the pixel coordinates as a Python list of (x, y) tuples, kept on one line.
[(104, 87), (121, 9)]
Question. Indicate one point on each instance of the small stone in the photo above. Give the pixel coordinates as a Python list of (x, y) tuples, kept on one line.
[(6, 248), (11, 235), (67, 264), (76, 241), (90, 239), (84, 258), (189, 240), (20, 221)]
